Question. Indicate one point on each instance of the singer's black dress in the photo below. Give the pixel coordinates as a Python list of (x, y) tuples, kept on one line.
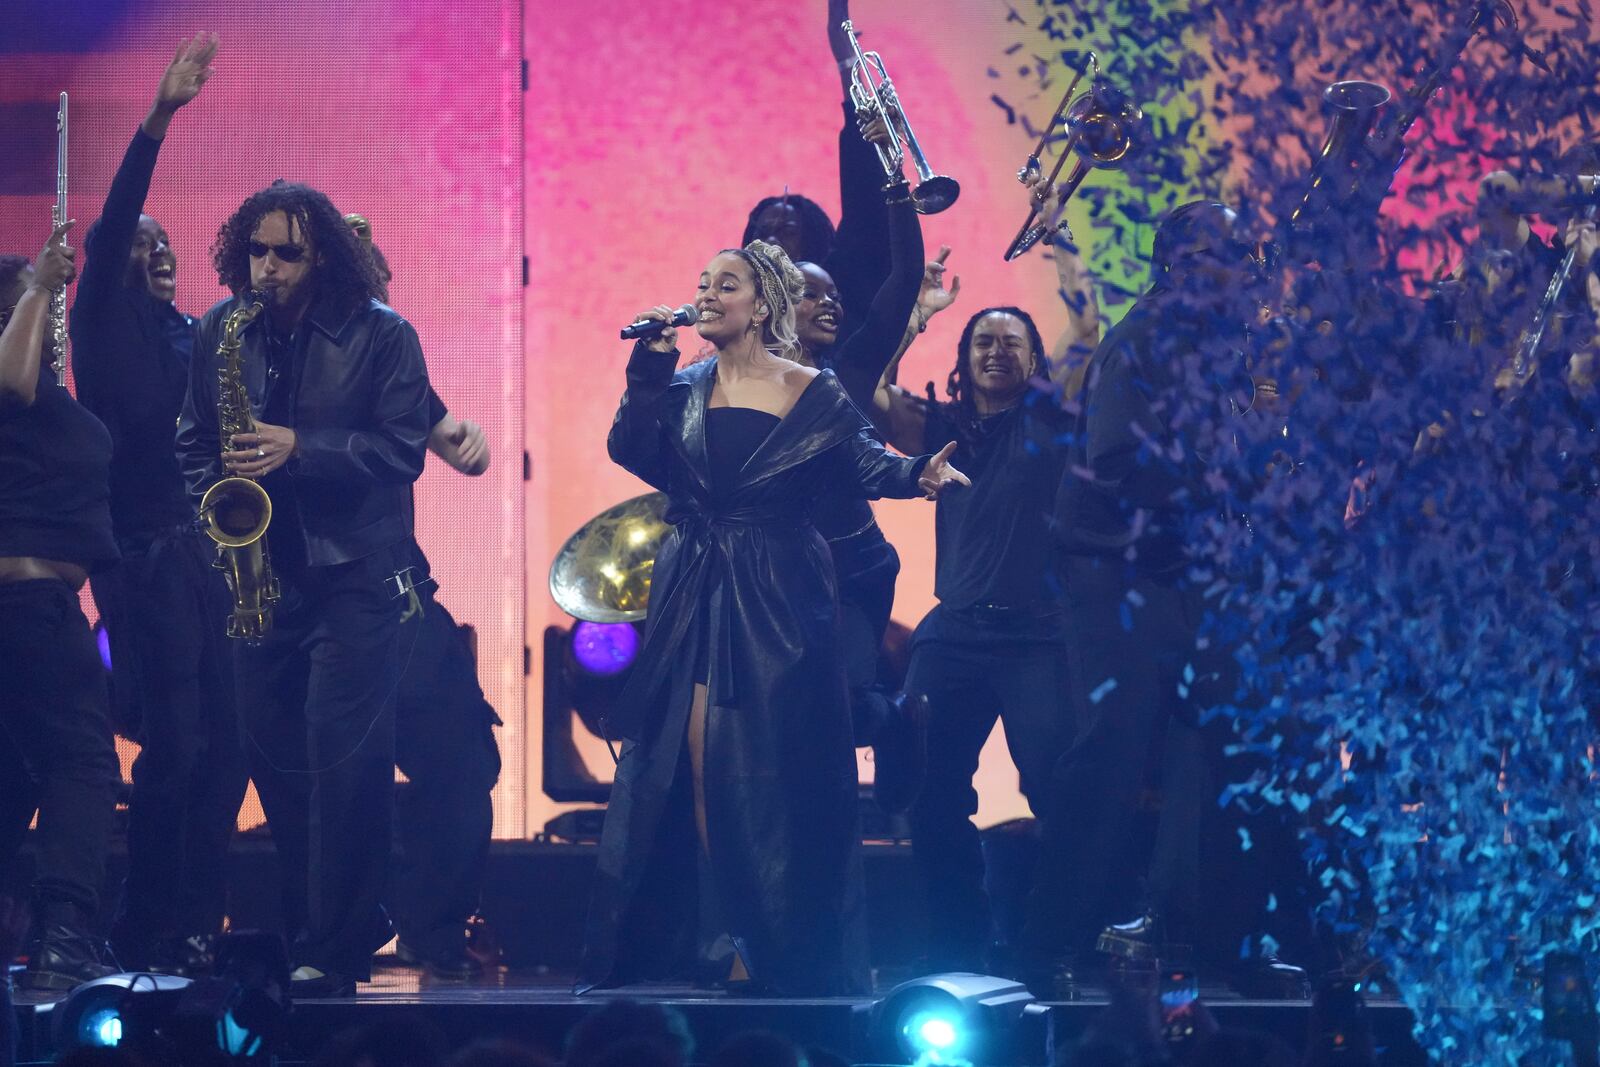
[(743, 591)]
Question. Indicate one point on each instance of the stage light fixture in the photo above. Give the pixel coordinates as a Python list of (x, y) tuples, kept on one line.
[(119, 1009), (604, 649), (102, 641), (942, 1018)]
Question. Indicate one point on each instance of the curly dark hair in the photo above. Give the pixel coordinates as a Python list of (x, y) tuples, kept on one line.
[(958, 387), (816, 229), (344, 272)]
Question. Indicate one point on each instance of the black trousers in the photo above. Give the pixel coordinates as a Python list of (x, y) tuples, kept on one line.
[(56, 754), (166, 608), (316, 699), (1143, 681), (867, 566), (445, 746), (976, 666)]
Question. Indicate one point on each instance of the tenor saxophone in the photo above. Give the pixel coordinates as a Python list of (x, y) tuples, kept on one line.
[(236, 511)]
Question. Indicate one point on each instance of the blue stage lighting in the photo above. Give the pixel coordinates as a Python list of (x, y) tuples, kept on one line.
[(101, 1028), (119, 1009), (934, 1031), (947, 1017)]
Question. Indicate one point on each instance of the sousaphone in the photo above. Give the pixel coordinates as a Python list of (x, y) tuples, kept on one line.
[(602, 573)]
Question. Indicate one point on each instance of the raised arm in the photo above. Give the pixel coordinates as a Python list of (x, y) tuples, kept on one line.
[(22, 343), (901, 417), (112, 237), (861, 257), (636, 442), (861, 361)]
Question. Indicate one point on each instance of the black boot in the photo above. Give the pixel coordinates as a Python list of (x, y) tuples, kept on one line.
[(188, 957), (1138, 939), (900, 754), (61, 956), (443, 958), (1269, 978)]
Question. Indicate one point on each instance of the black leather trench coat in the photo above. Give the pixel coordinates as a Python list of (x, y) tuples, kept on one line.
[(754, 582)]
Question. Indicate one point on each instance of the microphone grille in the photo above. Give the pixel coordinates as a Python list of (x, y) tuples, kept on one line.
[(690, 314)]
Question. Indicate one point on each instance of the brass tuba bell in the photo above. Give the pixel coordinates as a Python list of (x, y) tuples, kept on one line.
[(602, 573)]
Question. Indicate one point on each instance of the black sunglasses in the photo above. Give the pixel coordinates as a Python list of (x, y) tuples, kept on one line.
[(287, 253)]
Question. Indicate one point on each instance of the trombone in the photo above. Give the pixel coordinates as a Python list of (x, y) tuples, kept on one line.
[(1101, 124), (873, 95)]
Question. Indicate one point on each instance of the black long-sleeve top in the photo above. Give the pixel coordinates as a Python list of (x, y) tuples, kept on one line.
[(130, 359), (861, 258), (53, 461), (859, 362), (1128, 486)]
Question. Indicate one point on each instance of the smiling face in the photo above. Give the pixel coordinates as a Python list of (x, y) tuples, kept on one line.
[(1000, 358), (818, 314), (728, 300), (151, 263), (281, 259)]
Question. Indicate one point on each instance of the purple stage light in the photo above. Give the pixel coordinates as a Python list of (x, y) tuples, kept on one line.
[(604, 648), (102, 641)]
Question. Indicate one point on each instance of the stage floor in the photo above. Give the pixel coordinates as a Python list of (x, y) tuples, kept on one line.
[(537, 1007)]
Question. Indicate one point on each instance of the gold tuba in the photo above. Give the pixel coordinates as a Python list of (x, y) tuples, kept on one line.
[(236, 511)]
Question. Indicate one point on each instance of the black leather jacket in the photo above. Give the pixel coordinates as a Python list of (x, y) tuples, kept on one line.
[(360, 414)]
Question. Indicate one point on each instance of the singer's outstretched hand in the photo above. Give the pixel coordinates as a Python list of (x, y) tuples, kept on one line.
[(939, 475), (666, 340)]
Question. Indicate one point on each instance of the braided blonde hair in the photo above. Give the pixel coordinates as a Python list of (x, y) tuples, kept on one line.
[(781, 285)]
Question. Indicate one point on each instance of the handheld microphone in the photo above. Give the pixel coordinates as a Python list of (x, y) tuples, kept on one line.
[(645, 329)]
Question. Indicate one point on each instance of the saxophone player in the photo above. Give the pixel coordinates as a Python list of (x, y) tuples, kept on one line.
[(339, 393), (163, 604)]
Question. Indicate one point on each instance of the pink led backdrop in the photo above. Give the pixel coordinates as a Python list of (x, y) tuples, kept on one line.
[(408, 113), (648, 129), (652, 129)]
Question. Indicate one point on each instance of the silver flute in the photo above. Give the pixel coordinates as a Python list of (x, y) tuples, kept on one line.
[(58, 216)]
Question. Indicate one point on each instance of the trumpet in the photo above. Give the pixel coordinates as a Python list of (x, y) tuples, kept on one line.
[(1101, 125), (873, 95)]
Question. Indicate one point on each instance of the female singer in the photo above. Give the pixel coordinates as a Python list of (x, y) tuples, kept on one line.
[(733, 812), (56, 755)]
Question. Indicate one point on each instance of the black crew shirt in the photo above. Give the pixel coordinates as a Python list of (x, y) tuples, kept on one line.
[(993, 539), (130, 360), (55, 460)]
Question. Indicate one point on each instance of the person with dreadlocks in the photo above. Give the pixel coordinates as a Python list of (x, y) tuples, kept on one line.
[(993, 646), (738, 759), (340, 395)]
